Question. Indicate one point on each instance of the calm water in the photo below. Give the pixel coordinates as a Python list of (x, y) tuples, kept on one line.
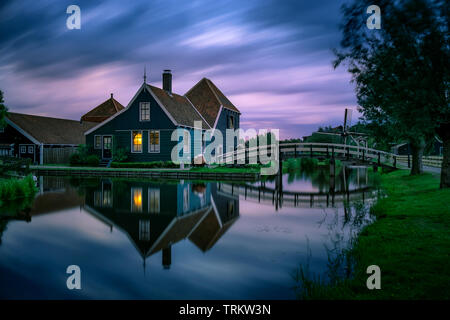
[(143, 239)]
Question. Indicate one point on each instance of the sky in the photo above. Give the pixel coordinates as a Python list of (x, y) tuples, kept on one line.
[(271, 58)]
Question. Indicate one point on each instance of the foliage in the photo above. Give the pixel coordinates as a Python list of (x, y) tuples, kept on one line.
[(82, 157), (12, 189), (409, 241), (401, 71), (120, 155)]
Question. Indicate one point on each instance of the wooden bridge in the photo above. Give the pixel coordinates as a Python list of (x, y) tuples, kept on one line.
[(313, 150)]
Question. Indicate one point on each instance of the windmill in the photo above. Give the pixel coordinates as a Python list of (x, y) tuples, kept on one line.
[(358, 137)]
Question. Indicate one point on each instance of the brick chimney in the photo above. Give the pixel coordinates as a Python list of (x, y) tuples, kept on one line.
[(167, 81)]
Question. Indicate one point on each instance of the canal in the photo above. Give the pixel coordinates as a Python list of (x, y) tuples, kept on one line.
[(147, 239)]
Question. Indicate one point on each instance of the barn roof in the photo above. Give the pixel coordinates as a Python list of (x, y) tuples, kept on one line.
[(179, 107), (50, 130), (103, 111), (208, 99)]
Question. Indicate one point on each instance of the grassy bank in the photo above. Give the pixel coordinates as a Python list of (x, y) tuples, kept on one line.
[(14, 189), (409, 241)]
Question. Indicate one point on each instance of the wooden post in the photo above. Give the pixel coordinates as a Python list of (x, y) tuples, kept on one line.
[(348, 153), (379, 159), (328, 155), (395, 161), (310, 150), (364, 154), (332, 152), (295, 151), (409, 161)]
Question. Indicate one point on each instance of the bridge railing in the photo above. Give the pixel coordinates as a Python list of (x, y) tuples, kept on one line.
[(314, 149)]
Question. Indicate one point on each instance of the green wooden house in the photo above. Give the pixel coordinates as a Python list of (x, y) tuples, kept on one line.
[(143, 129)]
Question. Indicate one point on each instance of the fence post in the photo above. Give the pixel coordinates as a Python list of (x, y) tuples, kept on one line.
[(332, 152), (295, 151), (395, 161), (310, 150), (409, 161), (328, 155), (379, 159), (348, 153), (364, 154)]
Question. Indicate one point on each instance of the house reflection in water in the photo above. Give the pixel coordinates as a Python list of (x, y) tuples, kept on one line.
[(155, 216)]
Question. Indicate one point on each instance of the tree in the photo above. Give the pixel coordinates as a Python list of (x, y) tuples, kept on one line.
[(401, 71), (3, 111)]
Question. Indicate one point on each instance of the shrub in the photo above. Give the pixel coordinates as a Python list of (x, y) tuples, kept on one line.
[(92, 160), (75, 159), (120, 155), (11, 189)]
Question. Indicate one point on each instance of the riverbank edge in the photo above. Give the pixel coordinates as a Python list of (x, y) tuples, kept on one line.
[(211, 174), (409, 241)]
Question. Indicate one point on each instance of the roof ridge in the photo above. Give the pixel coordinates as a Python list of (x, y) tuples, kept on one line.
[(213, 91), (195, 85)]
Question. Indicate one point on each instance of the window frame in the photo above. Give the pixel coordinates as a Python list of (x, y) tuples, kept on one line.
[(230, 120), (95, 142), (132, 142), (21, 148), (30, 148), (141, 104), (154, 150), (150, 192)]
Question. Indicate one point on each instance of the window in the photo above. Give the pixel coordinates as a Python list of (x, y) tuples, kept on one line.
[(23, 149), (153, 200), (2, 129), (144, 111), (230, 122), (136, 141), (186, 137), (153, 144), (144, 230), (31, 149), (136, 199), (97, 142), (4, 152)]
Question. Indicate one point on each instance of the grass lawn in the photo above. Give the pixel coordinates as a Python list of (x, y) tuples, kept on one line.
[(409, 241)]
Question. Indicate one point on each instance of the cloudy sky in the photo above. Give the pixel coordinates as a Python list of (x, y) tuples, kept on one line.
[(272, 58)]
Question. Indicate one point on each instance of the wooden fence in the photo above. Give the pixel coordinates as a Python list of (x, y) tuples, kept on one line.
[(432, 161), (58, 155)]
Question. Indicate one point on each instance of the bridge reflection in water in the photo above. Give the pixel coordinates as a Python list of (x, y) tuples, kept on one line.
[(156, 216)]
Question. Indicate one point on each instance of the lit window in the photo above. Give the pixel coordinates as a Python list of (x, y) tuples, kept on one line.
[(153, 200), (136, 199), (144, 111), (136, 138), (97, 142), (153, 141)]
